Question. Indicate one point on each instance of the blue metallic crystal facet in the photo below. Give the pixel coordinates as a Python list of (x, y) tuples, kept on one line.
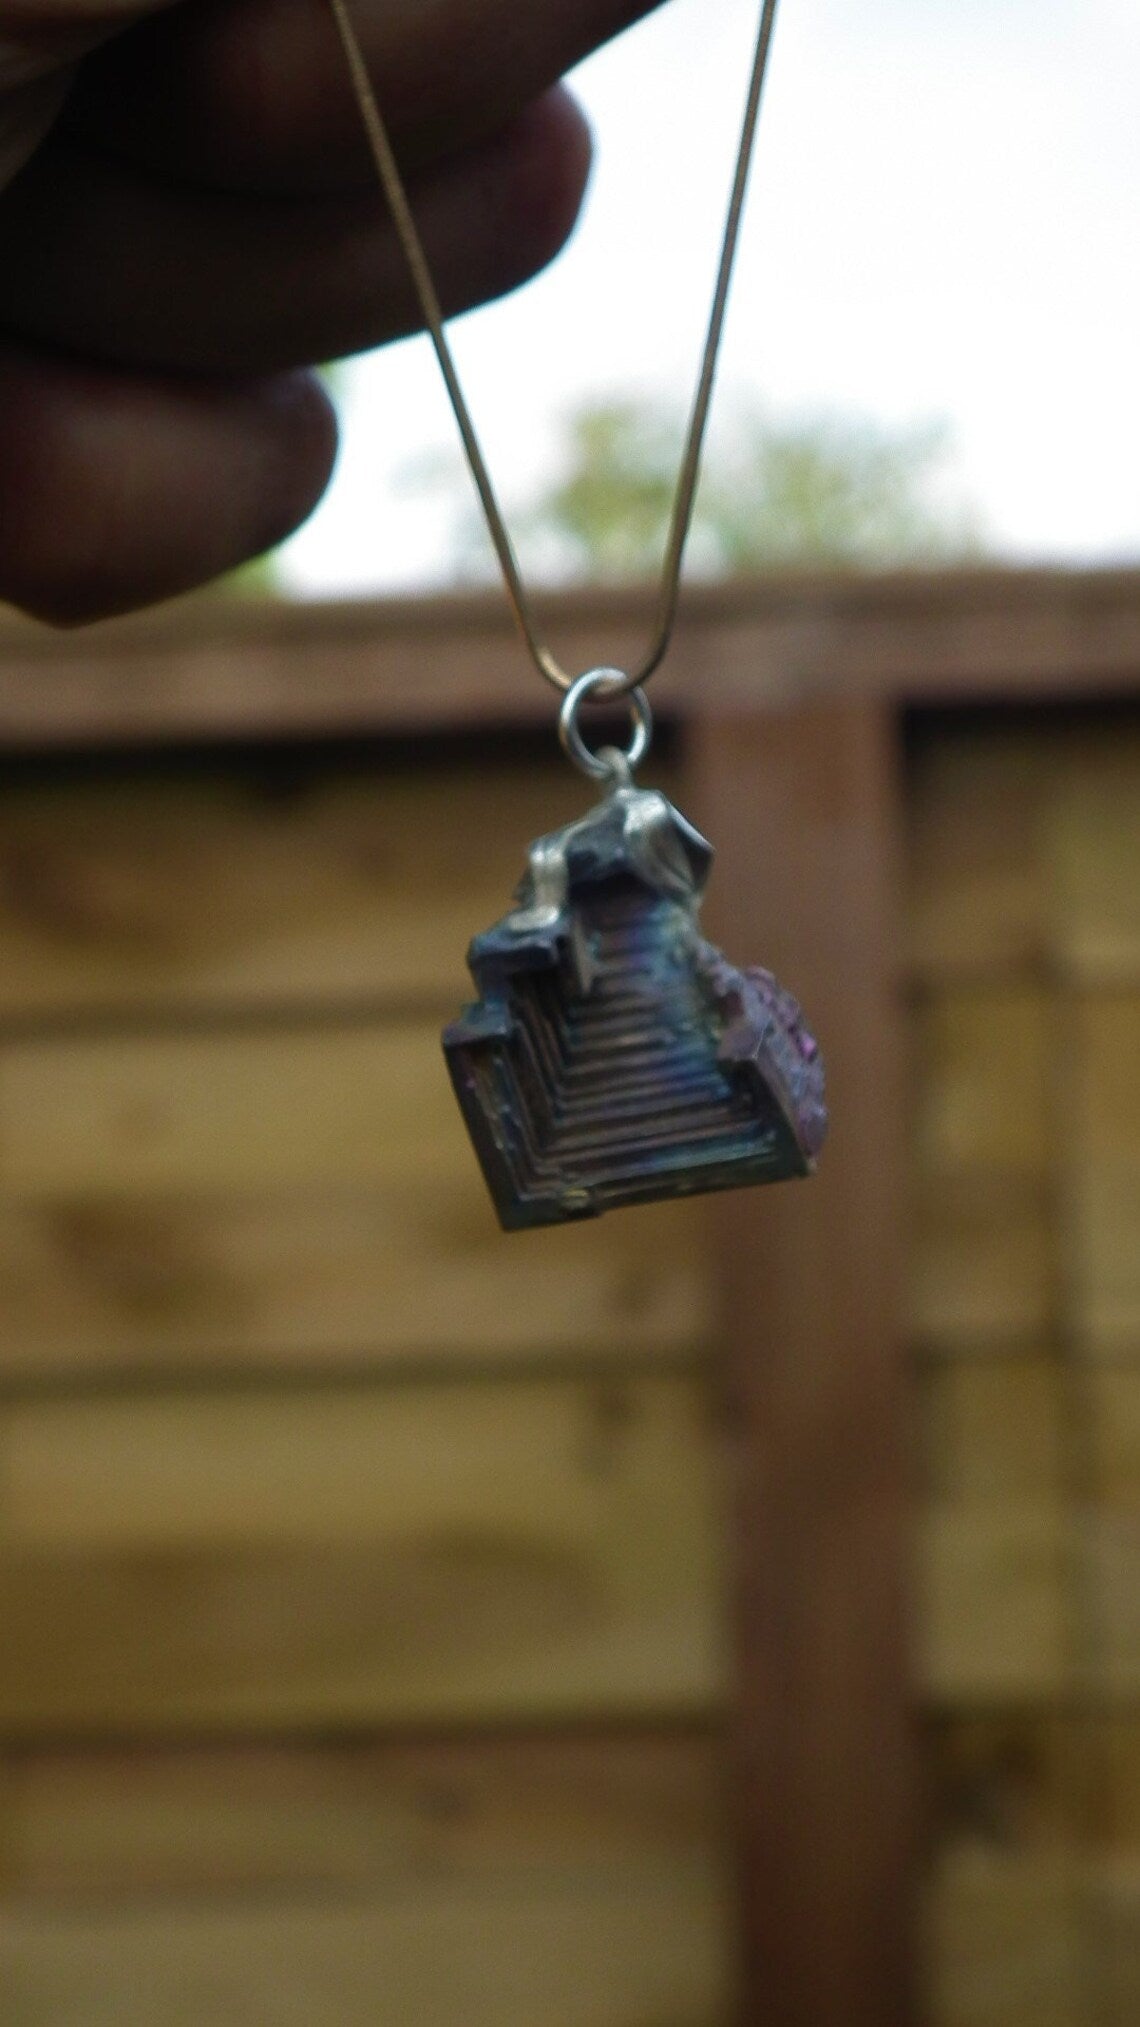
[(613, 1056)]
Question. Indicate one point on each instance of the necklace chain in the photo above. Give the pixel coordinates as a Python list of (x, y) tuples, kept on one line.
[(393, 186)]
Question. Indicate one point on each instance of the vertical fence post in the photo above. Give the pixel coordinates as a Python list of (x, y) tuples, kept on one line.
[(801, 802)]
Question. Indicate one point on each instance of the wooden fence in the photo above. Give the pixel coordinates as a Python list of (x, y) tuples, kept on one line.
[(728, 1607)]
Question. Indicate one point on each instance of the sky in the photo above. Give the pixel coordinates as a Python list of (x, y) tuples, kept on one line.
[(944, 226)]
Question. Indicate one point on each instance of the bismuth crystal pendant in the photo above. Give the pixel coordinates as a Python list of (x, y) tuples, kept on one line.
[(613, 1056)]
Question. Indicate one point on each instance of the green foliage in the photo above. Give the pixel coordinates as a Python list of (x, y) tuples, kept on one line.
[(774, 495), (259, 578)]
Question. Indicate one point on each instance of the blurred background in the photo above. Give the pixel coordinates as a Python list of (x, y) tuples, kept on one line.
[(935, 265), (404, 1625)]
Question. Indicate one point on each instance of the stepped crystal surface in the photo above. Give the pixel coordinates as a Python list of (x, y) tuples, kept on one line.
[(613, 1056)]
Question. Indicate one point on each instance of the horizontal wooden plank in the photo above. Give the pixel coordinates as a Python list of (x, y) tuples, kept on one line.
[(1105, 1029), (224, 667), (1095, 838), (506, 1550), (993, 1435), (1024, 1592), (1018, 1783), (1113, 1398), (1103, 1254), (1113, 1593), (128, 1116), (981, 1266), (1006, 1945), (315, 1465), (1034, 1895), (128, 897), (1031, 1784), (1051, 1943), (496, 1868), (95, 1287), (362, 1816), (1103, 1175), (993, 1606), (982, 1065), (556, 1955), (388, 1859), (1023, 840), (979, 887)]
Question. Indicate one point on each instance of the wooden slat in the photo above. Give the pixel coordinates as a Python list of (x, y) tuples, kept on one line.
[(994, 1617), (995, 1567), (1107, 1078), (246, 1196), (1046, 1942), (801, 804), (993, 1434), (982, 1082), (1104, 1171), (979, 891), (1023, 845), (1035, 1892), (1105, 1252), (1011, 1568), (551, 1955), (97, 1288), (1095, 838), (998, 1607), (361, 1816), (210, 667), (1111, 1579), (1115, 1400), (993, 1570), (149, 894), (1017, 1783), (980, 1266), (1005, 1948), (511, 1549), (376, 1867), (128, 1117)]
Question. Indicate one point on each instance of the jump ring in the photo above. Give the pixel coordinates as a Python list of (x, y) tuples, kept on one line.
[(600, 684)]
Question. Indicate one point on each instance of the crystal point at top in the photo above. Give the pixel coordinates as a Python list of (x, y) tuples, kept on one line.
[(635, 831)]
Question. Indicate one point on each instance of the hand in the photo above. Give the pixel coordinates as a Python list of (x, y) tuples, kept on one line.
[(196, 223)]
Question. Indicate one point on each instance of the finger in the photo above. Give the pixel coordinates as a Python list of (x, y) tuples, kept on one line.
[(117, 491), (95, 259), (254, 94)]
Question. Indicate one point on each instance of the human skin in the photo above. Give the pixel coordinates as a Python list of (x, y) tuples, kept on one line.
[(190, 221)]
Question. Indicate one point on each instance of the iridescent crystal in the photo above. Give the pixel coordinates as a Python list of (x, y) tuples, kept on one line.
[(613, 1056)]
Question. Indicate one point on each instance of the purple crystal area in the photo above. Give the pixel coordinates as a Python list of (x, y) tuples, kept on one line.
[(765, 1026), (612, 1056)]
